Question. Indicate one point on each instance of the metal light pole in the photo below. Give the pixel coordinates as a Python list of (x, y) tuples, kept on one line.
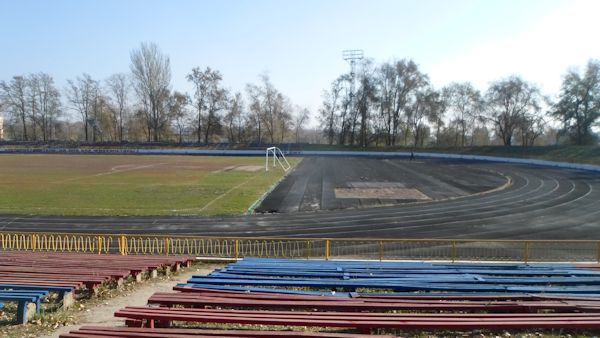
[(352, 56)]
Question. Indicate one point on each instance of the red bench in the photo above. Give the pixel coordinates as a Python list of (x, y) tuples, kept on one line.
[(77, 269), (132, 332), (363, 321), (290, 301), (73, 271)]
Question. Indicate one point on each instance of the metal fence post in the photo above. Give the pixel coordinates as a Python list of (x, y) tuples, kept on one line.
[(307, 249), (454, 251), (526, 252), (123, 245), (598, 251), (380, 251), (237, 248), (166, 246), (99, 239), (327, 249)]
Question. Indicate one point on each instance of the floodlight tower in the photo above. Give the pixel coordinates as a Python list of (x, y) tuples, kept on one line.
[(352, 56)]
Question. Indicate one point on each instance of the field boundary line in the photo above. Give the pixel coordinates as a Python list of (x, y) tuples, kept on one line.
[(225, 193), (105, 173)]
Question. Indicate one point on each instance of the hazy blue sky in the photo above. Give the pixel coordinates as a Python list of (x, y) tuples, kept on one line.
[(299, 43)]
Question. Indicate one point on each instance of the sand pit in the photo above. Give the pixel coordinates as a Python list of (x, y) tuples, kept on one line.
[(381, 193)]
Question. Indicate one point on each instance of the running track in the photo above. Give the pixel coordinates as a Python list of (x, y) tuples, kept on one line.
[(541, 203)]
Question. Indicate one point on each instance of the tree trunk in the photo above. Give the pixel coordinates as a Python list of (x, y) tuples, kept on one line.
[(207, 129), (121, 125), (23, 120)]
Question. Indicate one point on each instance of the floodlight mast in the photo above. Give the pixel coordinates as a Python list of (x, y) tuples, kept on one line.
[(352, 56)]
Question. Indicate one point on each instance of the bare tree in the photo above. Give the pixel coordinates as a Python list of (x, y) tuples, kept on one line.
[(33, 90), (327, 113), (217, 101), (14, 96), (508, 102), (209, 98), (234, 118), (399, 83), (366, 98), (284, 117), (377, 108), (118, 89), (102, 121), (271, 104), (427, 106), (437, 115), (269, 108), (178, 109), (302, 116), (48, 102), (151, 71), (578, 107), (336, 112), (255, 108), (82, 94), (465, 102), (346, 112), (531, 127)]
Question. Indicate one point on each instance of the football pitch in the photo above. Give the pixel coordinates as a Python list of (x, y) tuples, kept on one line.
[(132, 184)]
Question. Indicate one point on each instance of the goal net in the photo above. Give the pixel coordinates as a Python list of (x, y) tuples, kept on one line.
[(278, 158)]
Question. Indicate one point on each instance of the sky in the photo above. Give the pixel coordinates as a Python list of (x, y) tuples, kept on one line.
[(299, 43)]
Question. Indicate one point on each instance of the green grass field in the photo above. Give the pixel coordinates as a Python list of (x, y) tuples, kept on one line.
[(132, 185)]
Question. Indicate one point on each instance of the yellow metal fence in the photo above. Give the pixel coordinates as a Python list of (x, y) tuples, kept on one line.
[(326, 248)]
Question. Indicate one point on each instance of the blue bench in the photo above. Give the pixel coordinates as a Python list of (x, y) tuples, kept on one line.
[(266, 290), (57, 289), (373, 273), (404, 287), (281, 274), (23, 299), (65, 294)]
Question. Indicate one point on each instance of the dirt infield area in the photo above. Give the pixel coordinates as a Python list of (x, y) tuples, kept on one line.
[(132, 184)]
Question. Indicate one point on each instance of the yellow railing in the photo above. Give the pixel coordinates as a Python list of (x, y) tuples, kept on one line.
[(326, 248)]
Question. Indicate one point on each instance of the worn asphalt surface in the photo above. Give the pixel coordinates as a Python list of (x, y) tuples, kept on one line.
[(469, 200), (312, 185)]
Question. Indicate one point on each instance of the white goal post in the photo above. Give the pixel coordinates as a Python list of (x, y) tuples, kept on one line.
[(277, 156)]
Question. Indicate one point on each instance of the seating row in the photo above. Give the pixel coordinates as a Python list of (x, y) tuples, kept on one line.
[(27, 278)]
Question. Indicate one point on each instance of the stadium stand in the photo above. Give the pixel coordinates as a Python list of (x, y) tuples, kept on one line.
[(367, 297)]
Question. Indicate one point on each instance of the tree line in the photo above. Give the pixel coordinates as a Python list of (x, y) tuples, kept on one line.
[(387, 104), (142, 107), (395, 104)]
